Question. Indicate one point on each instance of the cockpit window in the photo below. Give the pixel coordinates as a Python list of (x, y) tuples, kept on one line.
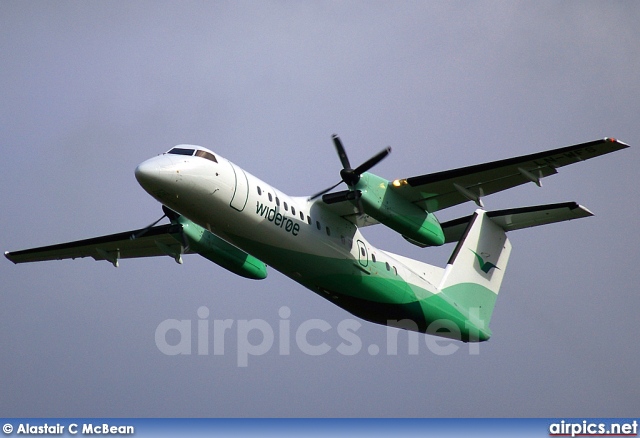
[(190, 152), (207, 155), (181, 151)]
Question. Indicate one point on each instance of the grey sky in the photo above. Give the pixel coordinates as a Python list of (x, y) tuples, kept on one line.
[(91, 89)]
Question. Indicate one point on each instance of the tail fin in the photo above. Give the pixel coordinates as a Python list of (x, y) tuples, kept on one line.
[(473, 276), (475, 270)]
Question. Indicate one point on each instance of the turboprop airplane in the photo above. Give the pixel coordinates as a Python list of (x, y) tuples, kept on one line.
[(225, 214)]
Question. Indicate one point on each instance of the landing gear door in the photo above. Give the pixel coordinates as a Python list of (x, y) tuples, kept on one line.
[(241, 189)]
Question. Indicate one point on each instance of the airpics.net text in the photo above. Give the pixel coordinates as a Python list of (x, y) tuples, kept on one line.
[(257, 337)]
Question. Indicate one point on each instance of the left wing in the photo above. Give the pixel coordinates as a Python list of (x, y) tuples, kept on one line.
[(440, 190), (156, 241)]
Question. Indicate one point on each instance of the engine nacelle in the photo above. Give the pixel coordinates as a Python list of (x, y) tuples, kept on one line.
[(387, 207), (220, 252)]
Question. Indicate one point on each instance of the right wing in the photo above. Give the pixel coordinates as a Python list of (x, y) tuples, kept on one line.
[(156, 241)]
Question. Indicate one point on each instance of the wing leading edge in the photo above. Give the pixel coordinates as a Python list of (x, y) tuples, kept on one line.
[(437, 191)]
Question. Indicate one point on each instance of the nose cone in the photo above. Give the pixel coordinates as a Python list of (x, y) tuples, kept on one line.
[(157, 176), (147, 174)]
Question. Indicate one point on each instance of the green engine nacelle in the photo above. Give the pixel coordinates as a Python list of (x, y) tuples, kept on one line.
[(381, 203), (221, 252)]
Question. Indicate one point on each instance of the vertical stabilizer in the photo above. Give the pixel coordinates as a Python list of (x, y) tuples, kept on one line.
[(475, 270)]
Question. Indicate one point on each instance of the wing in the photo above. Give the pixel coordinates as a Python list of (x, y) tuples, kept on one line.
[(437, 191), (155, 241)]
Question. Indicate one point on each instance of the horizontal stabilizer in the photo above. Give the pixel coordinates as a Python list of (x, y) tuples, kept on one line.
[(518, 218)]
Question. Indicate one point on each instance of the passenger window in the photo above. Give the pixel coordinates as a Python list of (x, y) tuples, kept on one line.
[(270, 198), (318, 225), (277, 201), (286, 207), (293, 210), (302, 215), (388, 267), (309, 219), (259, 191), (328, 232), (373, 258)]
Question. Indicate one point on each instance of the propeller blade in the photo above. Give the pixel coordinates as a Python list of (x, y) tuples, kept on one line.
[(341, 152), (372, 161), (172, 215), (141, 232), (325, 191), (345, 195)]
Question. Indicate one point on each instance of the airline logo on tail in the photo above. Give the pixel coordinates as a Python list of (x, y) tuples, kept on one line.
[(484, 266)]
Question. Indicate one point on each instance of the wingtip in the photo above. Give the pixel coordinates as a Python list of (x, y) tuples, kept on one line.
[(7, 254), (615, 140), (586, 210)]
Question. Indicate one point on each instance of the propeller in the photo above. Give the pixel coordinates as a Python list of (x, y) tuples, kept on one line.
[(142, 231), (173, 217), (348, 175)]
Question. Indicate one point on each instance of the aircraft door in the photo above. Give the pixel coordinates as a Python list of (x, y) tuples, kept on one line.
[(241, 188), (363, 255)]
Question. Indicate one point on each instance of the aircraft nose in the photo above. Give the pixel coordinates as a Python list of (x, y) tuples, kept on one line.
[(154, 174), (146, 173)]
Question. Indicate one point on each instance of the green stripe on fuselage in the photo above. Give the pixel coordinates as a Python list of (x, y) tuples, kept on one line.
[(372, 293), (478, 300)]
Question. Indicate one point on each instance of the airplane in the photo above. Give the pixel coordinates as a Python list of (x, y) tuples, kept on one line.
[(228, 216)]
